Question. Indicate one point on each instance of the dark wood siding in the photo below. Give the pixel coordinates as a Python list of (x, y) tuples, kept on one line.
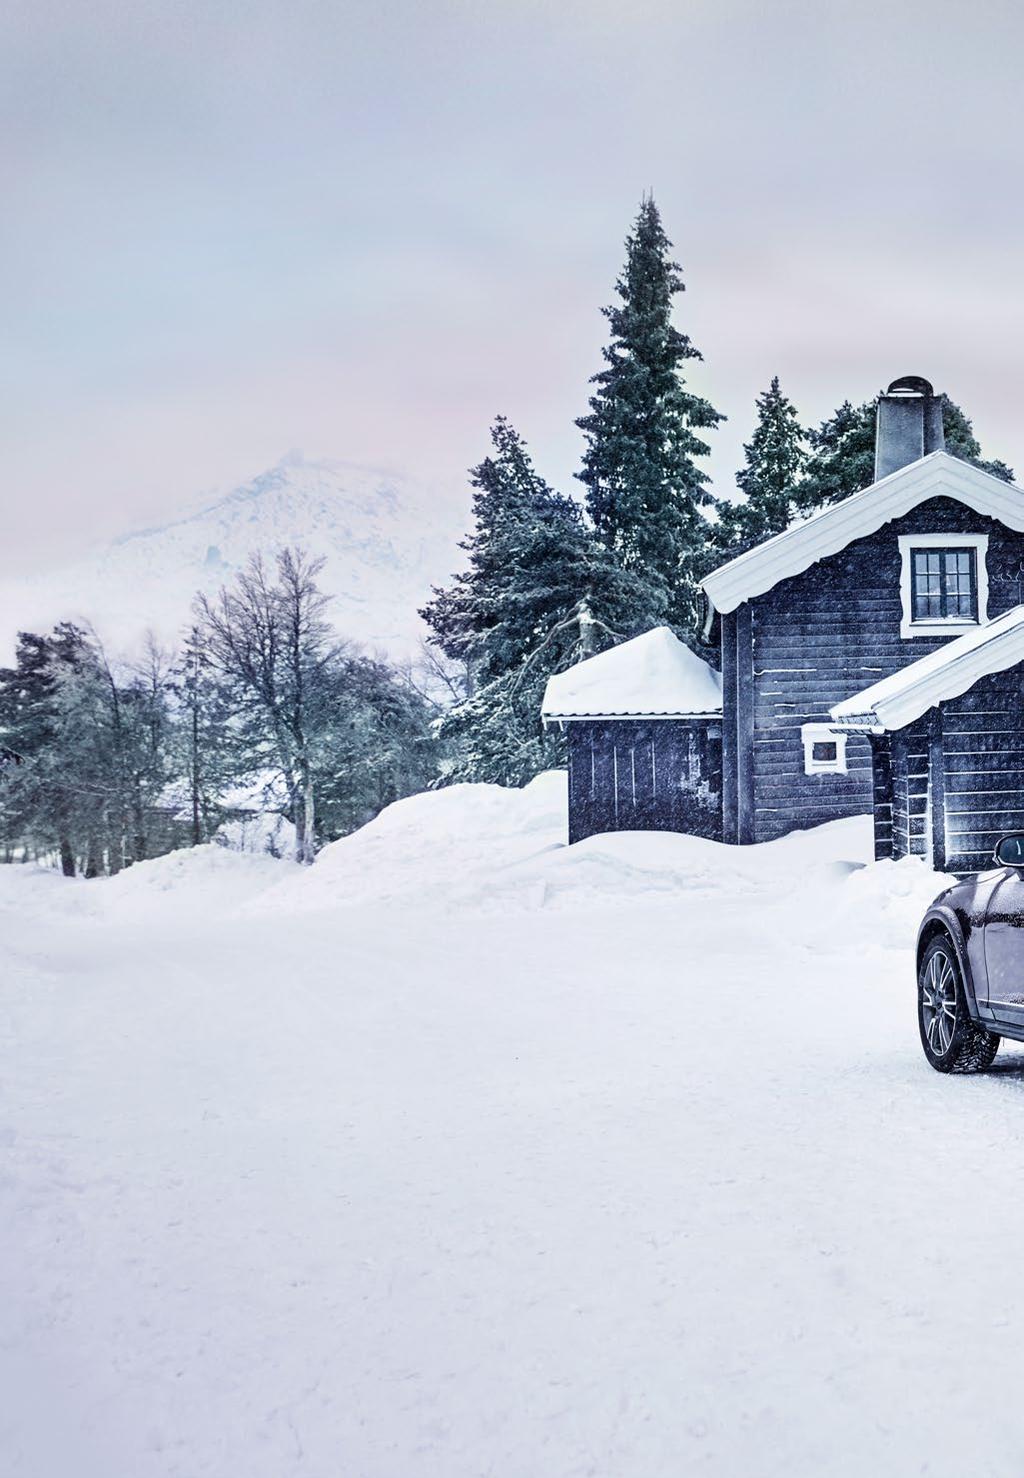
[(729, 808), (827, 634), (983, 769), (627, 775), (881, 774)]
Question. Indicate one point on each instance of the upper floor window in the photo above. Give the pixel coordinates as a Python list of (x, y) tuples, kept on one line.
[(944, 585)]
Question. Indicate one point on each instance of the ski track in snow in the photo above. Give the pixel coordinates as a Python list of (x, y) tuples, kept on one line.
[(466, 1153)]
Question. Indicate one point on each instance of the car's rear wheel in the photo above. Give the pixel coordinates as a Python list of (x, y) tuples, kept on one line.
[(952, 1042)]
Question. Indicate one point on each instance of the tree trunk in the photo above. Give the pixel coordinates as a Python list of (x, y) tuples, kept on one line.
[(309, 818), (67, 858), (197, 826)]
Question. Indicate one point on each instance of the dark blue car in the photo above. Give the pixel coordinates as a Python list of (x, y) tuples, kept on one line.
[(970, 965)]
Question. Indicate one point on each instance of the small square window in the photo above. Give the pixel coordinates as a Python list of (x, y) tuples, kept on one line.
[(824, 750)]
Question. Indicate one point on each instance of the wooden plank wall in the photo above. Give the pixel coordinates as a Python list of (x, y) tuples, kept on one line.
[(827, 634), (983, 769), (627, 775)]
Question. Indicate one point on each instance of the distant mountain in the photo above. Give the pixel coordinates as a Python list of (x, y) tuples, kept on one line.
[(385, 543)]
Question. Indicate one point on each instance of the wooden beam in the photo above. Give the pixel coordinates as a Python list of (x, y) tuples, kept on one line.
[(937, 790), (729, 831), (881, 778), (744, 725)]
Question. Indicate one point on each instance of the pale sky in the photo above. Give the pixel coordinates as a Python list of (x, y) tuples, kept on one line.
[(361, 230)]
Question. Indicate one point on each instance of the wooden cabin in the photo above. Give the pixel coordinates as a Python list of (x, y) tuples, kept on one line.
[(947, 747), (643, 724), (933, 549)]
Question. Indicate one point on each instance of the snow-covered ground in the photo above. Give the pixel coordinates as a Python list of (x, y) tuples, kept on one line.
[(469, 1154)]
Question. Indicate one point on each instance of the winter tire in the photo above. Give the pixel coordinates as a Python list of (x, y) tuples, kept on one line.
[(952, 1042)]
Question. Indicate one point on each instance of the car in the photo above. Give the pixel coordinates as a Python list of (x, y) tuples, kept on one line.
[(970, 965)]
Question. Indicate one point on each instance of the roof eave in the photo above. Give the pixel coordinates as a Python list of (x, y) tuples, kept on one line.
[(582, 718), (797, 548)]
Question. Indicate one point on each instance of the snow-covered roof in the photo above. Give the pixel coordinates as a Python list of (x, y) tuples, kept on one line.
[(801, 545), (652, 676), (900, 699)]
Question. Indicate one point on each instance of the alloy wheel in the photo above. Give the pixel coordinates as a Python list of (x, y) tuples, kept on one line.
[(938, 1002)]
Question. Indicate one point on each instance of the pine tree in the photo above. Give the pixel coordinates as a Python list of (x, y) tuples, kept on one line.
[(645, 492), (842, 456), (206, 743), (774, 458), (962, 442), (49, 715), (540, 592)]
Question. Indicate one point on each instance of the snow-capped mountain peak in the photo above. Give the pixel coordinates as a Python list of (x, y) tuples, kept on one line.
[(382, 538)]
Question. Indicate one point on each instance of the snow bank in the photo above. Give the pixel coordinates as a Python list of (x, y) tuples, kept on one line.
[(490, 850), (198, 881), (443, 846)]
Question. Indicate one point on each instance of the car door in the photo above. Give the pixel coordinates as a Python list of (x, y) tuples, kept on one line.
[(1004, 947)]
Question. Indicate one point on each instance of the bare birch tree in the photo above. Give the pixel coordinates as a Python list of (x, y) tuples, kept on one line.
[(269, 639)]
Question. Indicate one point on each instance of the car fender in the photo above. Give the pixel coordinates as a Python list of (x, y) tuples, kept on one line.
[(951, 921)]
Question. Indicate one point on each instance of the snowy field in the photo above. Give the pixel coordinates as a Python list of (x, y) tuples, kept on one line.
[(468, 1154)]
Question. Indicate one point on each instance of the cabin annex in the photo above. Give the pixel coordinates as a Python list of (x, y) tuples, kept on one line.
[(644, 728), (947, 748)]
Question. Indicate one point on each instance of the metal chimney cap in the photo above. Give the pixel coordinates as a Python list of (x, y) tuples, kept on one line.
[(911, 385)]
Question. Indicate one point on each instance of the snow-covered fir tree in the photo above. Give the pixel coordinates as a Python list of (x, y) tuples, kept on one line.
[(540, 591), (774, 457), (645, 490), (94, 746)]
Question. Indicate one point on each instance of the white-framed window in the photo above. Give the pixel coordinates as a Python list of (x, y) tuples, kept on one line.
[(824, 750), (943, 583)]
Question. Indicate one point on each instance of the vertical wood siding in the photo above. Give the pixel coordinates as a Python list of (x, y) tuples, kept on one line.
[(627, 775), (824, 636)]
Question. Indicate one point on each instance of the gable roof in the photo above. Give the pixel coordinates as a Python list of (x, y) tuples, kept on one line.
[(827, 532), (652, 676), (953, 669)]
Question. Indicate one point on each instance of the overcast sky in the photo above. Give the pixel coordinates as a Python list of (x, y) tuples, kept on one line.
[(360, 230)]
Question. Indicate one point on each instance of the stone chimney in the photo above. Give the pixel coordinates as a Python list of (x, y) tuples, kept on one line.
[(908, 425)]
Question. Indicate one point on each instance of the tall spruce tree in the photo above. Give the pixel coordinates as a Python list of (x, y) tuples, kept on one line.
[(540, 592), (842, 453), (645, 491), (775, 456)]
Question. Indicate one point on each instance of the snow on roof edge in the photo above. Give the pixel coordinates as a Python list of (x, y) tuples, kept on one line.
[(831, 529), (948, 672)]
